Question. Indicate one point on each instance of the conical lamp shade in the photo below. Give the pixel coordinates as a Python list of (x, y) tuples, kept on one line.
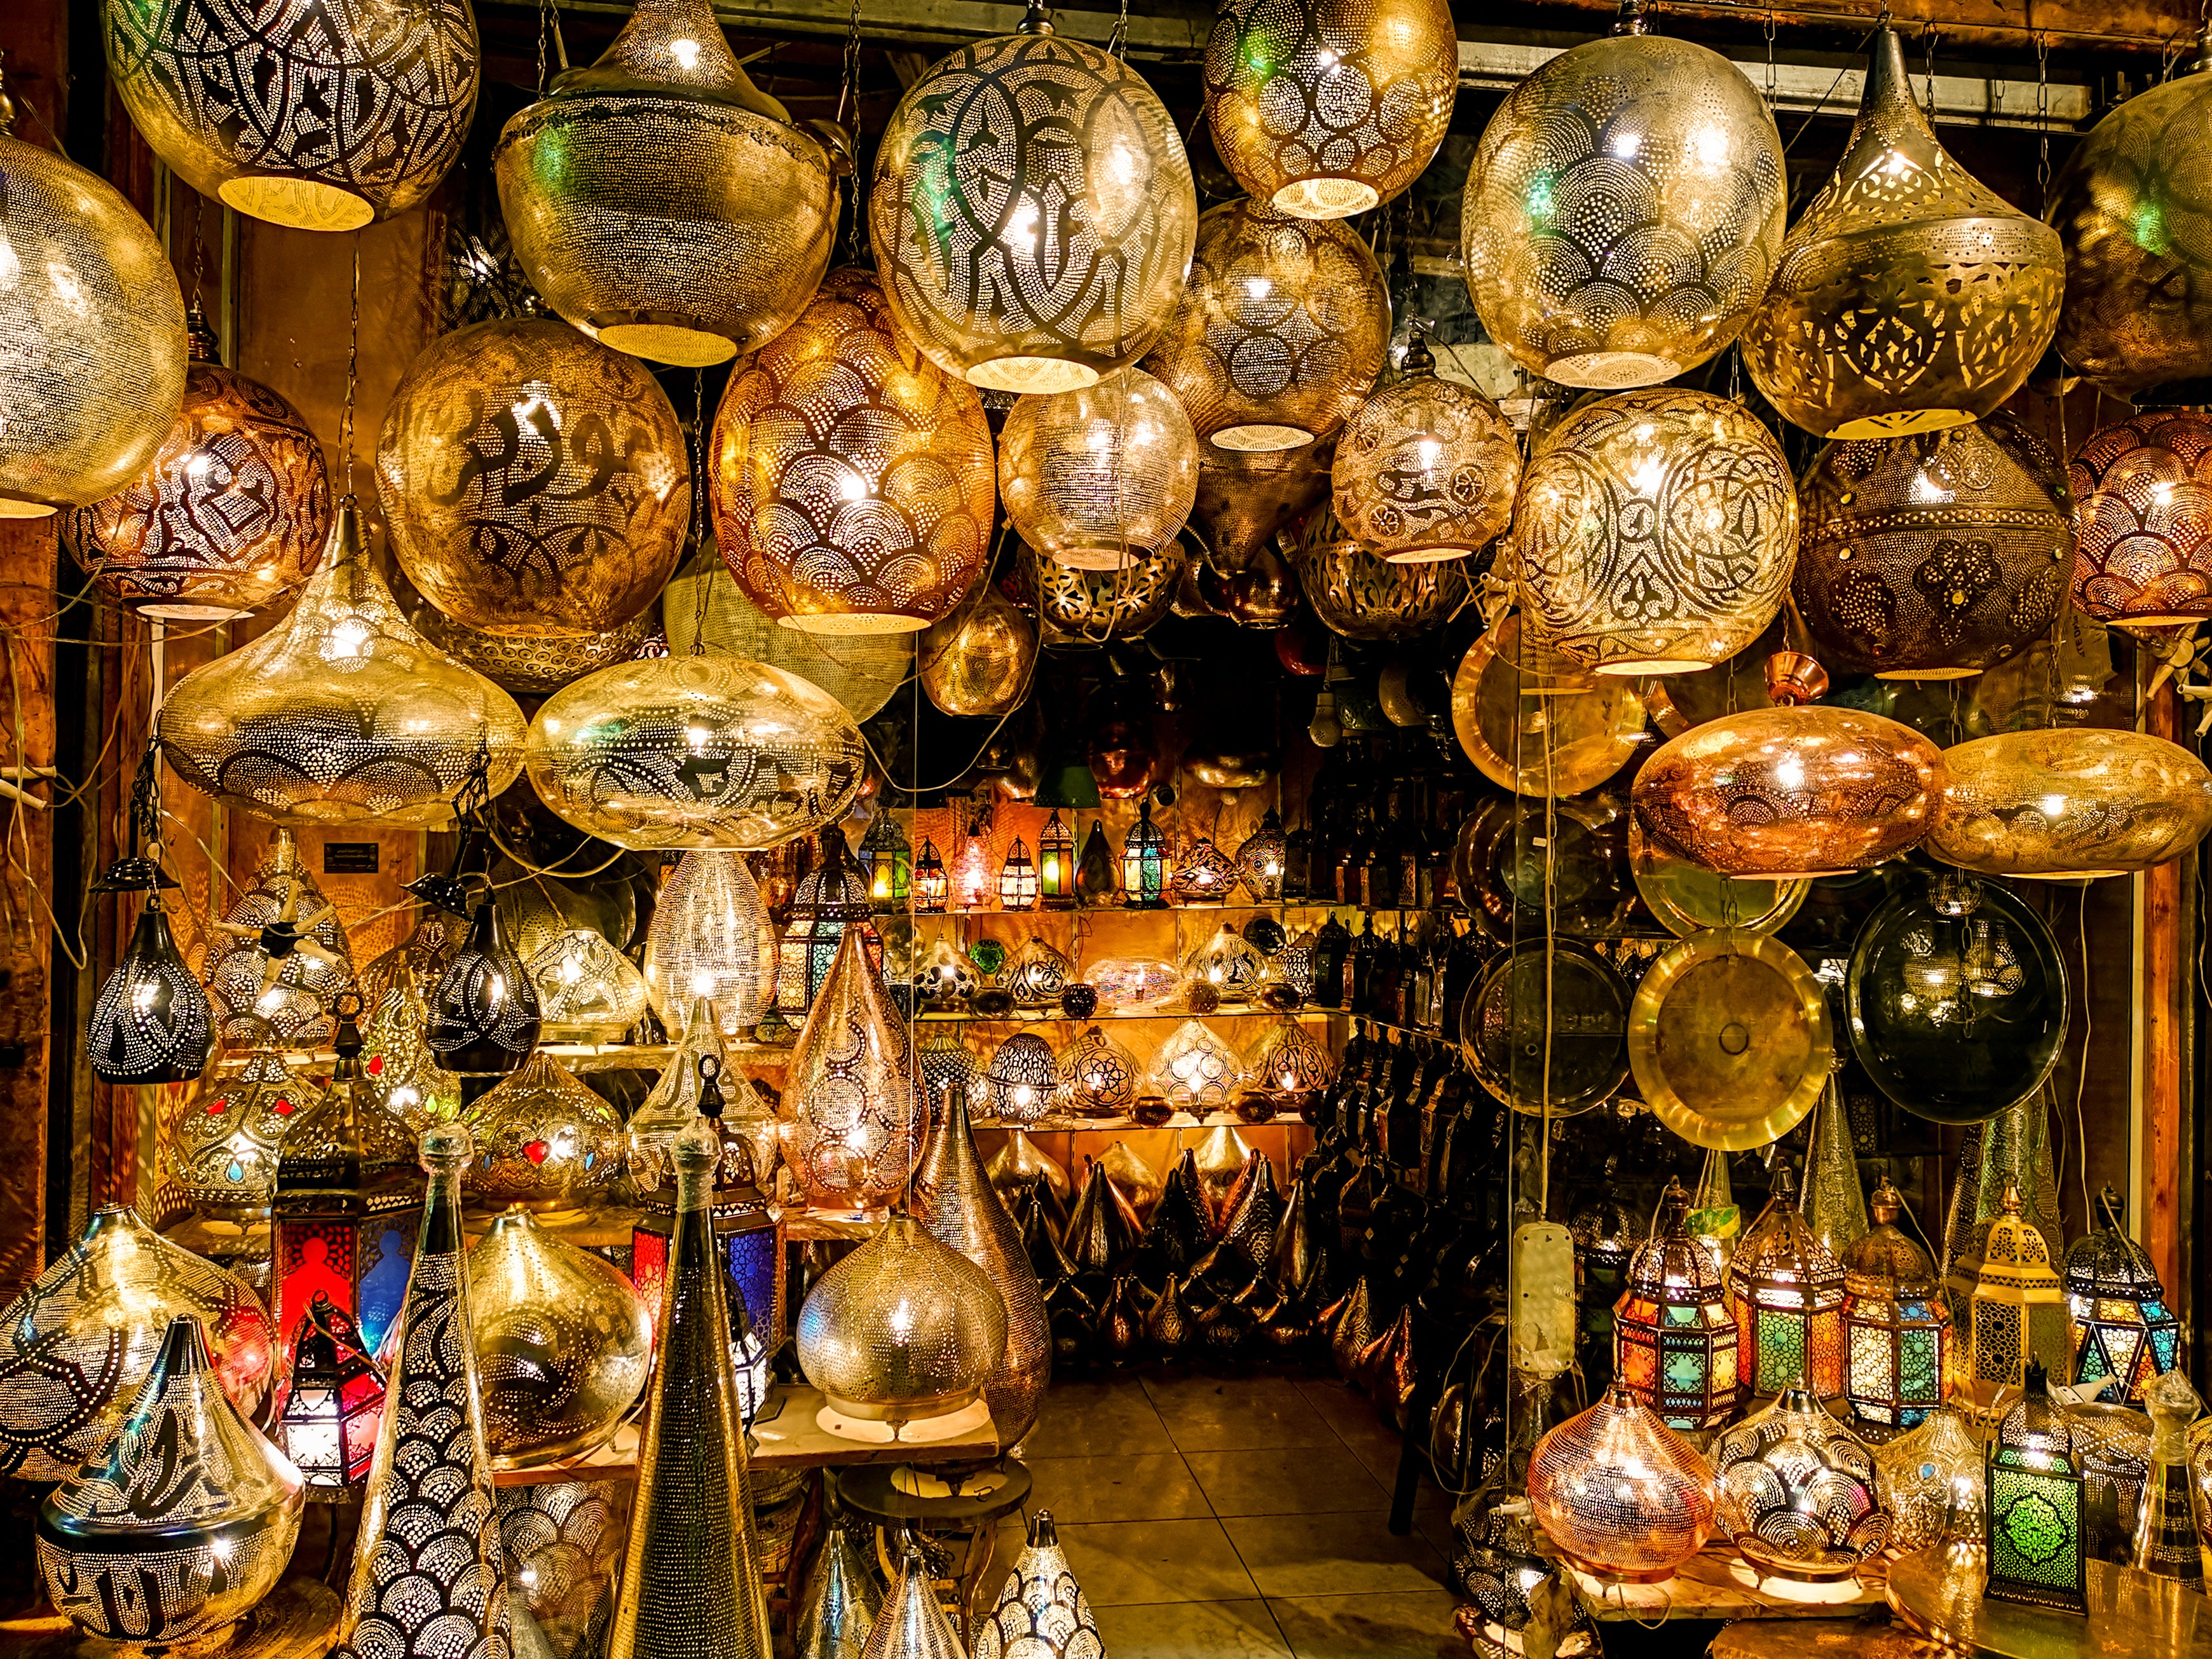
[(341, 714), (902, 1329), (1835, 1203), (842, 1599), (1041, 1613), (912, 1625), (859, 1117)]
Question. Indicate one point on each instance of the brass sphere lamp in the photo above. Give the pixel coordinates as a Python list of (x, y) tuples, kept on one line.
[(1101, 476), (1427, 470)]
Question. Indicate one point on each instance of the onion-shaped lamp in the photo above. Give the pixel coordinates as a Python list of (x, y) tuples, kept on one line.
[(2018, 1315), (2069, 804), (1262, 857), (711, 937), (1910, 296), (1796, 1492), (1606, 154), (1283, 328), (856, 1116), (542, 1139), (1928, 1478), (1048, 256), (1674, 1341), (2143, 503), (534, 480), (1897, 1332), (1099, 1075), (1036, 972), (1227, 963), (2123, 1327), (978, 660), (341, 713), (1427, 470), (1101, 476), (1203, 876), (851, 475), (225, 1149), (587, 991), (662, 202), (1655, 533), (1196, 1069), (1289, 1064), (282, 961), (484, 1018), (1787, 1294), (1620, 1493)]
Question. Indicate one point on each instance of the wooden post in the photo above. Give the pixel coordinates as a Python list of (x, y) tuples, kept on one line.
[(2164, 1041), (28, 547)]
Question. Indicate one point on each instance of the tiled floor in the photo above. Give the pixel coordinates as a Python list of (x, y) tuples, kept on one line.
[(1244, 1517)]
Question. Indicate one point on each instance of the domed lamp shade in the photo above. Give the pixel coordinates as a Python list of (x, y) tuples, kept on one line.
[(282, 961), (2143, 503), (232, 511), (2069, 805), (1910, 297), (1897, 1332), (2123, 1327), (1655, 533), (540, 1140), (1023, 1079), (538, 664), (1036, 972), (1203, 876), (1935, 556), (1325, 108), (151, 1022), (483, 1020), (226, 1146), (92, 329), (587, 991), (1787, 1294), (1196, 1069), (1674, 1341), (1097, 607), (1427, 470), (1099, 1075), (1101, 476), (1624, 211), (703, 604), (1620, 1493), (852, 477), (1046, 255), (706, 751), (856, 1117), (1283, 328), (1926, 1477), (1797, 1494), (535, 480), (1360, 596), (342, 714), (711, 937), (1288, 1063), (661, 202)]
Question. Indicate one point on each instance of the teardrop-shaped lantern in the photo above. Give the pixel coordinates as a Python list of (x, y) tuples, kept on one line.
[(857, 1116), (2143, 503), (232, 511), (706, 751), (1281, 332), (151, 1022), (1101, 476), (1246, 496), (661, 202), (1041, 1613), (1033, 210), (852, 477), (283, 961), (402, 1077), (342, 714), (2069, 804), (484, 1010), (978, 660), (711, 937), (1427, 470), (1910, 296), (542, 1139), (1197, 1070), (535, 481), (1624, 211)]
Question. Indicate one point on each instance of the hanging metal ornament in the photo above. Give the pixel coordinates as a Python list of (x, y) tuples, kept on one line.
[(704, 608), (537, 666), (1078, 607), (1245, 497), (1427, 470), (483, 1011), (2069, 805), (151, 1022), (1041, 1613), (284, 962), (1101, 476), (2142, 489), (1362, 596), (587, 991), (979, 660), (225, 1151), (711, 936), (541, 1141)]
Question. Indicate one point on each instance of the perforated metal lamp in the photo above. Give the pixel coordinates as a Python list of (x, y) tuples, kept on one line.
[(1787, 1294), (831, 897), (2034, 1509), (2017, 1316), (2123, 1327), (1897, 1334)]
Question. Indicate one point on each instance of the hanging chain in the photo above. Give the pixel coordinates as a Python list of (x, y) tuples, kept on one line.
[(545, 29), (199, 250), (2043, 122), (1770, 62), (1118, 44), (705, 585), (848, 117), (353, 368), (1933, 37)]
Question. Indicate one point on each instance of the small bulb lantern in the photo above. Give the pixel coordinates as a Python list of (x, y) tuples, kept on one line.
[(1206, 875), (1018, 879), (887, 862), (151, 1022), (1674, 1339), (332, 1404), (830, 899), (1056, 865), (931, 889), (1787, 1294), (2017, 1314), (1143, 862), (2033, 1509), (2123, 1327), (972, 875), (1896, 1334)]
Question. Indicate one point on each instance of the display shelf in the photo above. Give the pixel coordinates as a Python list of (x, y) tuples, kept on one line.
[(1046, 1016), (1061, 1125), (1716, 1584)]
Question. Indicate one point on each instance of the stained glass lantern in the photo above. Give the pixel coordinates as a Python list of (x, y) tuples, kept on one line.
[(2033, 1509), (587, 991), (1048, 256), (1101, 477), (1056, 865), (227, 1137), (151, 1022), (1620, 1493), (1205, 875), (1787, 1295), (711, 937), (1927, 1478), (1143, 862), (855, 1116), (1196, 1069), (1797, 1494), (1098, 1077), (831, 899), (329, 1409), (1226, 962), (973, 876), (1259, 859), (931, 889), (2018, 1313), (1018, 879), (1897, 1334), (542, 1139), (483, 1011), (284, 960), (1674, 1339), (1036, 973), (1023, 1078), (2143, 494), (887, 862), (2123, 1327)]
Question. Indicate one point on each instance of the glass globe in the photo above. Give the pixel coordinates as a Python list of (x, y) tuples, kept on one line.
[(978, 660), (1324, 108), (903, 1329), (232, 511), (1101, 476), (1796, 1492), (661, 202), (341, 713), (1932, 557), (540, 1140), (2068, 805), (1283, 328), (2143, 502), (708, 750), (1033, 210), (1655, 531), (1099, 1075), (703, 608), (92, 329), (711, 936), (1427, 470), (322, 116), (1623, 212), (851, 477), (587, 991), (1620, 1493), (1094, 607), (535, 481)]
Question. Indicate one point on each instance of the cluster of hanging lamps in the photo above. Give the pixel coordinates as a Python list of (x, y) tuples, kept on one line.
[(1100, 476), (2142, 497), (282, 958), (1428, 467)]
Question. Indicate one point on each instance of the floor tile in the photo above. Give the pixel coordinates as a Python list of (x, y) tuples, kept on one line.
[(1285, 1480), (1355, 1419), (1084, 1418), (1343, 1554), (1136, 1561), (1154, 1487), (1402, 1625), (1191, 1630), (1205, 1413)]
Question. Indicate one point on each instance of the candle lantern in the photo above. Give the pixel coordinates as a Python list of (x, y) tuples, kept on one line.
[(931, 888), (887, 862), (2122, 1327), (1674, 1341), (1895, 1329), (332, 1406), (2017, 1314), (829, 898), (1143, 862), (2032, 1511), (1056, 865), (1787, 1295), (1206, 876), (1018, 879)]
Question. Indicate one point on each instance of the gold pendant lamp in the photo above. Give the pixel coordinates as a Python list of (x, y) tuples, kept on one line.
[(1033, 212), (1428, 467), (2069, 804), (662, 203), (2143, 503), (1910, 296), (1101, 476)]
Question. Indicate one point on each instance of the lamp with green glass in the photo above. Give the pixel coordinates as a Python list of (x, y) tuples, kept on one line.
[(2123, 1327), (1896, 1331), (1055, 864), (887, 863), (1143, 862), (2032, 1513)]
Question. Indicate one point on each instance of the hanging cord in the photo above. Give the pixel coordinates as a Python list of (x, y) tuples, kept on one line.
[(1933, 37), (1117, 44), (1814, 113), (2043, 145), (353, 366), (198, 256), (2082, 1067)]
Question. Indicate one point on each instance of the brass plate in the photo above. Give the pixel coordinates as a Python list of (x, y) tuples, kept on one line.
[(1590, 725), (1730, 1041), (2132, 1615), (1686, 898)]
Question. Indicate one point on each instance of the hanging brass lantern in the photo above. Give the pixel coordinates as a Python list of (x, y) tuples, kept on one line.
[(1363, 596), (1097, 607), (534, 480), (1428, 467), (704, 604), (711, 937), (2069, 805), (1033, 210), (1100, 476), (1674, 1339), (978, 660), (1908, 297), (2123, 1327), (1283, 327), (1655, 533), (707, 750), (542, 1139), (1624, 210), (538, 664), (856, 1116), (1245, 497), (283, 962), (341, 713), (2143, 503), (587, 991), (1326, 108), (661, 202)]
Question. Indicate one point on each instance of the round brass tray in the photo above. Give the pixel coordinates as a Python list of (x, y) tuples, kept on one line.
[(1730, 1041), (1590, 724), (2132, 1615), (1686, 898)]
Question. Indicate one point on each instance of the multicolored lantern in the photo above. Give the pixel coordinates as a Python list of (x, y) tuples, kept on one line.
[(1787, 1295), (2123, 1327), (1674, 1339), (1895, 1329)]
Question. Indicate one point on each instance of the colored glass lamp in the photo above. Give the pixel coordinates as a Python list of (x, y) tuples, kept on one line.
[(2017, 1314), (2033, 1507), (931, 889), (1018, 879), (887, 862), (2123, 1327), (1206, 875), (1143, 862), (332, 1406), (830, 899), (1606, 1240), (1674, 1339), (1797, 1492), (1056, 865), (1787, 1295), (1896, 1332)]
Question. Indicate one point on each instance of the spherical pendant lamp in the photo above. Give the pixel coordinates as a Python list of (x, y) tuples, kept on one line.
[(1091, 607), (978, 660), (1655, 533), (1101, 476), (702, 607), (1620, 1493), (1910, 296), (1933, 556), (2068, 805), (1324, 108), (92, 334), (852, 477), (233, 510), (1033, 210), (707, 750), (1624, 211), (903, 1329), (341, 714), (535, 480), (317, 114), (661, 202), (1363, 596), (1282, 330), (1428, 467), (2142, 504)]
